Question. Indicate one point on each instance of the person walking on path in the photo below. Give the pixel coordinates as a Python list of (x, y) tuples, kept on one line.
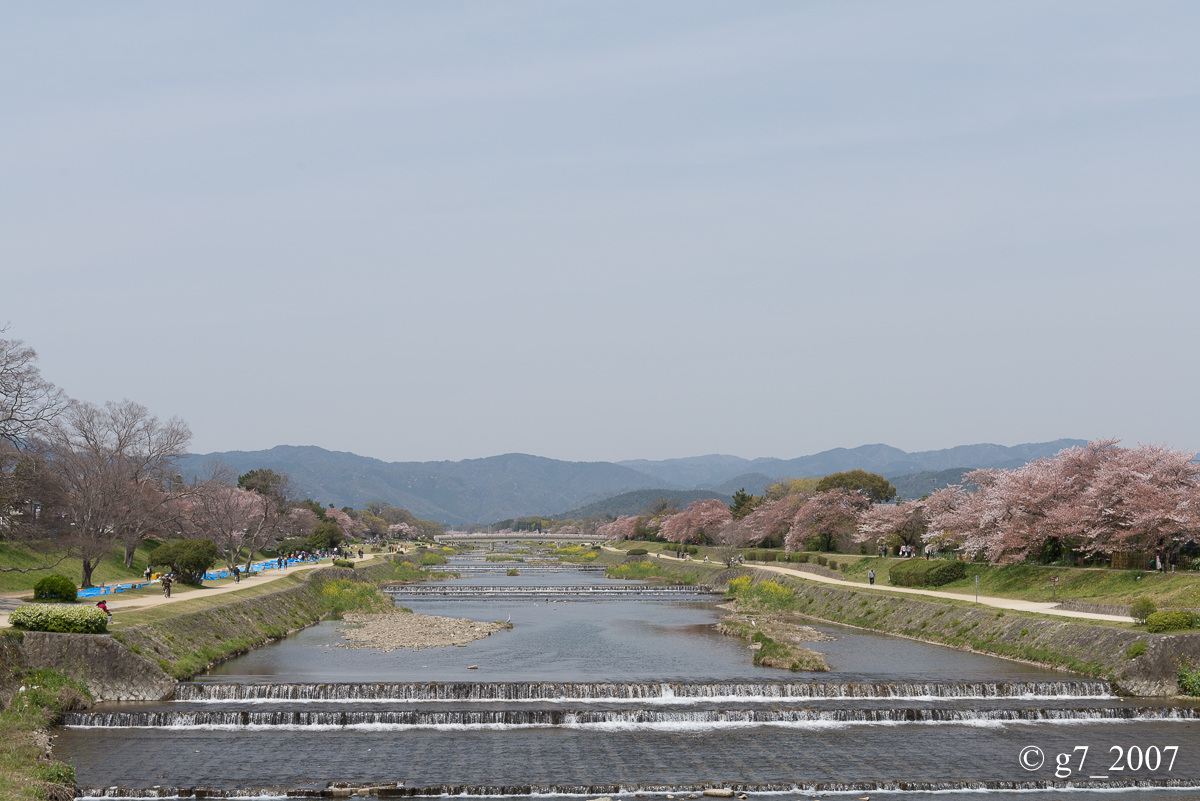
[(871, 576)]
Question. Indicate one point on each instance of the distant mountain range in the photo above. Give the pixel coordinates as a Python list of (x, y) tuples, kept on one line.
[(517, 485)]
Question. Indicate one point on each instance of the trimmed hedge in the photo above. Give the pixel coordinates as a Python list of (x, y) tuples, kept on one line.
[(636, 552), (926, 573), (1170, 620), (56, 587), (344, 563), (60, 617)]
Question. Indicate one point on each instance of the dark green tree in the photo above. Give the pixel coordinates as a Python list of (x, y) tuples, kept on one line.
[(316, 508), (743, 503), (326, 534), (191, 558), (266, 482), (876, 487)]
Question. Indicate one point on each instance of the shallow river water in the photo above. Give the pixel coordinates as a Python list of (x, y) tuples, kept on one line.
[(600, 697)]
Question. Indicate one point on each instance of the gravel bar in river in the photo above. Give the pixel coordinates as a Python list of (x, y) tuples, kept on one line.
[(388, 631)]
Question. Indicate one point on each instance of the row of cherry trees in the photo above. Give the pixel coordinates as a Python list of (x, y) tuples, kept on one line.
[(1096, 499)]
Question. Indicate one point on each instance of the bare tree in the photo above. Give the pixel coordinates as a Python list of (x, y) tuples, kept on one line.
[(116, 463), (27, 401)]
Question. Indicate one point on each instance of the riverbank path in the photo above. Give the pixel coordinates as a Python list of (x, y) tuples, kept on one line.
[(983, 600), (145, 599)]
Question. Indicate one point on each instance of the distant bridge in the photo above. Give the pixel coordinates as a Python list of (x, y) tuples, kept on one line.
[(519, 536)]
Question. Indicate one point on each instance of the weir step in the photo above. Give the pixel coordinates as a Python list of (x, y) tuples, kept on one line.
[(641, 692)]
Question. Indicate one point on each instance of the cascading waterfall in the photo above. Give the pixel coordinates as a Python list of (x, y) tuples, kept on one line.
[(633, 790), (636, 691), (608, 717)]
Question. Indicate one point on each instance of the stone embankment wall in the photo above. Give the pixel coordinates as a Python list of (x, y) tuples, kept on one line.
[(144, 662), (110, 671), (1075, 645)]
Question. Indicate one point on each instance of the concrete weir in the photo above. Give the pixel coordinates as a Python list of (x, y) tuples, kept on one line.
[(558, 593)]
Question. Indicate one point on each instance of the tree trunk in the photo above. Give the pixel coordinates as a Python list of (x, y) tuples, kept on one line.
[(88, 567), (129, 549)]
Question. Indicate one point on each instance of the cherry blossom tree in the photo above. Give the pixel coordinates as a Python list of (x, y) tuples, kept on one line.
[(622, 528), (772, 520), (228, 516), (826, 517), (402, 531), (895, 524), (700, 521), (1098, 498)]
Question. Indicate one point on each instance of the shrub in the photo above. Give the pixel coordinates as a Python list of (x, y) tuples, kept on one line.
[(750, 556), (923, 573), (56, 588), (512, 571), (831, 564), (62, 618), (343, 563), (1188, 676), (1142, 608), (346, 595), (637, 552), (1171, 620), (799, 558), (1135, 650), (822, 561), (769, 556), (769, 594), (740, 584), (192, 557)]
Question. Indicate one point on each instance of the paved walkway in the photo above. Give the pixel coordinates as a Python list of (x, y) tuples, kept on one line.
[(180, 592), (984, 600)]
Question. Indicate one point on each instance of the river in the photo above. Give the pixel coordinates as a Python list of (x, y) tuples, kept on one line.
[(592, 695)]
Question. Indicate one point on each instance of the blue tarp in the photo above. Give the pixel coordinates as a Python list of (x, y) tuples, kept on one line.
[(257, 567)]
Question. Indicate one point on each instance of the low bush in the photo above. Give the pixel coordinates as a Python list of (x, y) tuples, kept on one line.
[(798, 558), (926, 573), (343, 563), (768, 556), (1170, 620), (56, 587), (637, 552), (1135, 650), (822, 561), (345, 595), (512, 571), (831, 564), (750, 556), (1188, 676), (62, 618), (1142, 608)]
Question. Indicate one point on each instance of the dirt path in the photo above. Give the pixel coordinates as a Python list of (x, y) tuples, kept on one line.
[(179, 592), (984, 600)]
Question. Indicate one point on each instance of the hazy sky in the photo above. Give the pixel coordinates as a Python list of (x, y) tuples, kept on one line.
[(609, 230)]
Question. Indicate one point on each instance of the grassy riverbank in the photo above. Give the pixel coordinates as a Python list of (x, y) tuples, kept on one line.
[(26, 769)]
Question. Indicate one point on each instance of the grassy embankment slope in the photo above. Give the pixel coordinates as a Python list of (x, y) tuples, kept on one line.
[(110, 570), (1022, 582), (26, 770)]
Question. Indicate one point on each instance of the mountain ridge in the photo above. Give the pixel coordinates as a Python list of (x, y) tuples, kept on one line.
[(516, 485)]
